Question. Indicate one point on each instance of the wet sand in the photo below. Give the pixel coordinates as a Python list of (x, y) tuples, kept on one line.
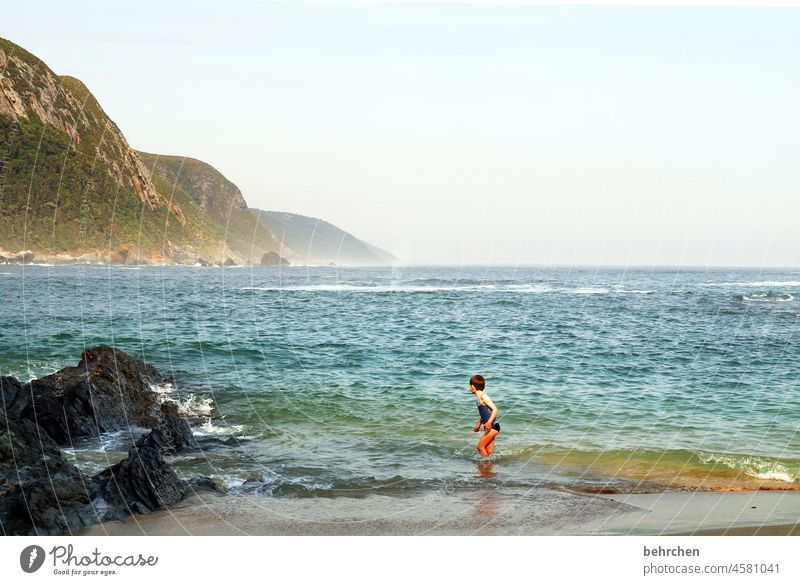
[(473, 512), (462, 512), (778, 530), (709, 513)]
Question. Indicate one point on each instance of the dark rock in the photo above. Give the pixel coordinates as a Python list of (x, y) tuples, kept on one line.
[(107, 390), (273, 259), (252, 486), (203, 262), (203, 483), (144, 481), (230, 262), (41, 492), (172, 433), (14, 396)]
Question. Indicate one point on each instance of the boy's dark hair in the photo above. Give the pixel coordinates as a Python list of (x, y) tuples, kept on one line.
[(478, 381)]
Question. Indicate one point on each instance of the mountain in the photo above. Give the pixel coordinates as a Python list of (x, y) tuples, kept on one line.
[(217, 202), (73, 189), (71, 184), (308, 240)]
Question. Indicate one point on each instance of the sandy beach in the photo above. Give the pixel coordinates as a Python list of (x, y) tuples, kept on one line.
[(765, 513), (473, 512)]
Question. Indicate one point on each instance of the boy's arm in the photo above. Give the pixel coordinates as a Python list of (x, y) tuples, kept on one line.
[(491, 405)]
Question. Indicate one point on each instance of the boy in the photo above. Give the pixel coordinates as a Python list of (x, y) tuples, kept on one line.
[(488, 412)]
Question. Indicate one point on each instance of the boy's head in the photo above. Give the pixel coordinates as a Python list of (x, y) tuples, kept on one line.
[(477, 382)]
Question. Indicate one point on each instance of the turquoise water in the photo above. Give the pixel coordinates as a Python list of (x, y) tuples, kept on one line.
[(333, 380)]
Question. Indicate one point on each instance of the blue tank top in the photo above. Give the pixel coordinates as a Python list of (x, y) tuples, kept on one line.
[(486, 412)]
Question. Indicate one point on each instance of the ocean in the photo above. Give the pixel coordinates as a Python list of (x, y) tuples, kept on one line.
[(327, 381)]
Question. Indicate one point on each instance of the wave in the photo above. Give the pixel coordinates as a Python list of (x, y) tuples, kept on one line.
[(757, 467), (675, 468), (529, 288), (32, 370), (463, 281), (208, 428), (362, 486), (757, 283), (367, 288), (514, 288), (765, 297), (201, 408), (189, 404)]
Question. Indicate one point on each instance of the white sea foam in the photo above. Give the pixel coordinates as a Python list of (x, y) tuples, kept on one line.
[(513, 288), (757, 467), (32, 370), (162, 389), (368, 289), (757, 283), (775, 475), (530, 288), (765, 298), (191, 404), (196, 405), (209, 428)]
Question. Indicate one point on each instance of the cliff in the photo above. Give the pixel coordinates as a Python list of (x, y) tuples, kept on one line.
[(72, 188)]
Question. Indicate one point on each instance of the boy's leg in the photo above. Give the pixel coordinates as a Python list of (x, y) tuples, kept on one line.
[(485, 440), (490, 444), (481, 447)]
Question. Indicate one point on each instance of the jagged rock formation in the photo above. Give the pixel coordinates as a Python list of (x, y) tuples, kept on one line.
[(41, 492), (144, 481), (107, 390)]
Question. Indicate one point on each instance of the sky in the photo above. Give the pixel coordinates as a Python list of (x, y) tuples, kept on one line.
[(475, 133)]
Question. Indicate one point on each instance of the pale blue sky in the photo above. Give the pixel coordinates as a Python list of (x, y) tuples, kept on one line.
[(470, 133)]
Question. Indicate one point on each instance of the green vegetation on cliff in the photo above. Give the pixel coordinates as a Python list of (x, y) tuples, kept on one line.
[(69, 182), (56, 199), (218, 203)]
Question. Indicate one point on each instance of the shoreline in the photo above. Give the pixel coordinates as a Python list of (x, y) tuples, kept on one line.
[(540, 511), (158, 264), (769, 530)]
